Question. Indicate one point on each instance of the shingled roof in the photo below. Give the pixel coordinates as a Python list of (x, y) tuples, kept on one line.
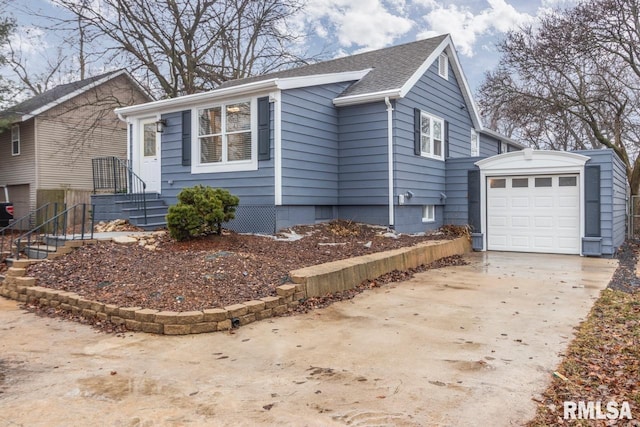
[(54, 97), (391, 67)]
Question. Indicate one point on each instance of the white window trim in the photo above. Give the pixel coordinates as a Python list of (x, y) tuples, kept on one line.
[(235, 166), (432, 118), (504, 148), (15, 130), (443, 66), (475, 143), (428, 213)]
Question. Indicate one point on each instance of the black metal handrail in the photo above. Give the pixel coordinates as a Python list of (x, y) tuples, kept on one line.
[(26, 222), (74, 223), (113, 174)]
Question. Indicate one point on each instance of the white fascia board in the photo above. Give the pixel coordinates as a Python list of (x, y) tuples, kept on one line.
[(417, 75), (447, 45), (173, 104), (320, 79), (188, 101), (70, 96), (366, 97)]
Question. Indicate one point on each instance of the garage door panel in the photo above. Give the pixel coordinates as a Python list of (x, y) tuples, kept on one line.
[(541, 217), (519, 202), (520, 222), (498, 202), (543, 202)]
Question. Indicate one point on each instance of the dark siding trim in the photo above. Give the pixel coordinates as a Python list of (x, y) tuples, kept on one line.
[(446, 139), (186, 138), (592, 200), (416, 132), (264, 140), (473, 188)]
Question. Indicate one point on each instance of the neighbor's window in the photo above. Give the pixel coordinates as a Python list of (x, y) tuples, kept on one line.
[(428, 213), (225, 137), (475, 143), (443, 66), (431, 136), (15, 140)]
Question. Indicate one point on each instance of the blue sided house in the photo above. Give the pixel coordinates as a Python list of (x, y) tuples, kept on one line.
[(389, 137)]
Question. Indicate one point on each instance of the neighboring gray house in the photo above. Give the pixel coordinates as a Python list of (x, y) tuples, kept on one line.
[(386, 137)]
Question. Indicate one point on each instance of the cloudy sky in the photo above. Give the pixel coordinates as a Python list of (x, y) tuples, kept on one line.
[(350, 26)]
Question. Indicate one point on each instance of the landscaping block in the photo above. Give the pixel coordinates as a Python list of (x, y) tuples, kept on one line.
[(264, 314), (215, 314), (247, 318), (151, 328), (146, 315), (236, 310), (97, 306), (285, 290), (189, 318), (224, 325), (204, 327), (255, 306), (16, 272), (128, 312), (111, 309), (279, 310), (25, 281), (270, 302), (132, 325), (88, 313), (177, 329), (166, 317)]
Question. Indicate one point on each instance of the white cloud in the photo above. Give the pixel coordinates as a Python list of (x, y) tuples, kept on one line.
[(466, 27), (28, 40), (368, 24)]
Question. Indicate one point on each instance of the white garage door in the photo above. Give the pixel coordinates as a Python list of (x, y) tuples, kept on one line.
[(534, 214)]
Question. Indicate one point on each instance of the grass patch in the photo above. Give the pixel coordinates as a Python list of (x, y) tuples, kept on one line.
[(601, 364)]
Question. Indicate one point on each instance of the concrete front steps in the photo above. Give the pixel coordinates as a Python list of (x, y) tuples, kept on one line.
[(318, 280)]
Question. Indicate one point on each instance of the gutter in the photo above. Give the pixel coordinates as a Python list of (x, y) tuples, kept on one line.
[(390, 158)]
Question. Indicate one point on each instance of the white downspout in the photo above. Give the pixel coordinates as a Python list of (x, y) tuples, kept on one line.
[(390, 158)]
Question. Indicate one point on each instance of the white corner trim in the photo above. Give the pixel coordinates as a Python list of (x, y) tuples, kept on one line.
[(390, 159), (276, 98)]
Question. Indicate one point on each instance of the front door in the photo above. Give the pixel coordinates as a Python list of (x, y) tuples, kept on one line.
[(149, 155)]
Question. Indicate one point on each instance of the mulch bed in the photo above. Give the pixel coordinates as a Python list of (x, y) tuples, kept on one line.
[(209, 272)]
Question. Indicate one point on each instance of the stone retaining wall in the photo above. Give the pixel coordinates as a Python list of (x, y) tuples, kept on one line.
[(313, 281)]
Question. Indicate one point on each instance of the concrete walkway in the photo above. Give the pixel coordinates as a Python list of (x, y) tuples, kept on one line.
[(458, 346)]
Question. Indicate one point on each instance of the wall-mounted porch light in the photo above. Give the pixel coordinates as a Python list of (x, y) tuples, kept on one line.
[(160, 125)]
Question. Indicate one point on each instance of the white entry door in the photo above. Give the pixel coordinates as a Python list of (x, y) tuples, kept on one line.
[(534, 214), (149, 155)]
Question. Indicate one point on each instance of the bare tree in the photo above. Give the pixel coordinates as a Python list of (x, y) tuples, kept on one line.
[(188, 46), (556, 87)]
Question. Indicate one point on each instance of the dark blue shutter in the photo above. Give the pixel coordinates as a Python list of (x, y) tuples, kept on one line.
[(592, 200), (473, 200), (446, 139), (186, 138), (416, 132), (264, 136)]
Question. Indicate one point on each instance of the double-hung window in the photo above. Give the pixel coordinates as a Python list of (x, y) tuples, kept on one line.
[(15, 140), (431, 136), (225, 137)]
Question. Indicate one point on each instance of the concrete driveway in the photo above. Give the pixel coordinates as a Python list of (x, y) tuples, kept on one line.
[(458, 346)]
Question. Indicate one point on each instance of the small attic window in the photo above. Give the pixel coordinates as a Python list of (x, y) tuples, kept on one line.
[(443, 66)]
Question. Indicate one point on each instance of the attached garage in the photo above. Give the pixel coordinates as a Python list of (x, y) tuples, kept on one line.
[(541, 201)]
